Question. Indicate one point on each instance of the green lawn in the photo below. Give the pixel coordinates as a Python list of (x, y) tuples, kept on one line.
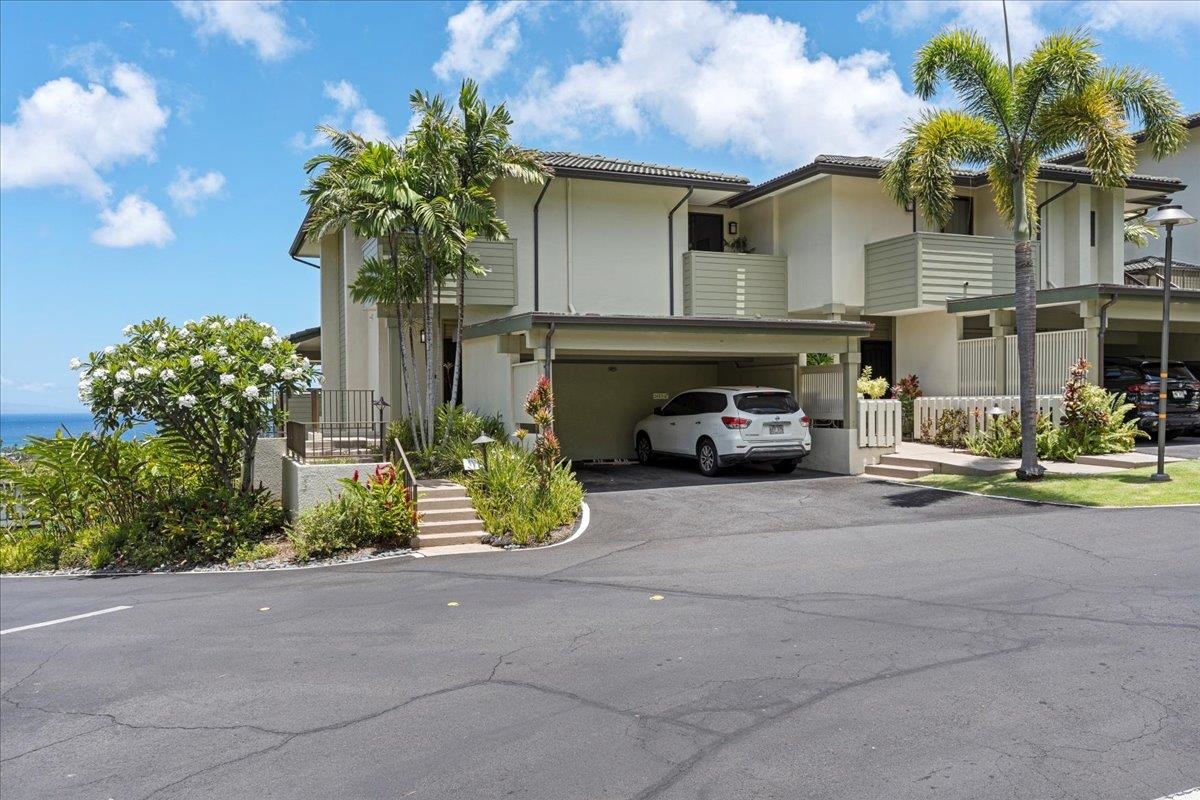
[(1128, 488)]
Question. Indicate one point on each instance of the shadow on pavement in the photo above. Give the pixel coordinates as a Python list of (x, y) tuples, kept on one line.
[(671, 474)]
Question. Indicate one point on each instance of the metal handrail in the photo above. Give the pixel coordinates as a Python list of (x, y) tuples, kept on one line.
[(410, 477)]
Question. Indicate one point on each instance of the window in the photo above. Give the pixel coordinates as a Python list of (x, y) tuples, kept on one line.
[(711, 402), (1092, 226), (766, 403), (961, 217), (706, 232), (677, 407)]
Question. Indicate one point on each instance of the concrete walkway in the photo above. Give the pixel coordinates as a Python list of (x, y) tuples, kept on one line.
[(918, 456)]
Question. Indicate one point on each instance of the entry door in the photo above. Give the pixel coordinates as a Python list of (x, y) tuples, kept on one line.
[(706, 232), (877, 354), (448, 367)]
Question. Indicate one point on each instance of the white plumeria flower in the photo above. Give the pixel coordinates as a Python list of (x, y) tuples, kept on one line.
[(215, 324), (184, 333), (74, 363), (226, 402), (109, 350), (287, 374), (128, 329), (156, 336), (141, 372), (251, 392), (267, 369), (117, 392), (161, 346), (196, 361), (223, 351), (229, 323), (267, 342), (186, 401), (167, 374), (227, 379), (123, 375)]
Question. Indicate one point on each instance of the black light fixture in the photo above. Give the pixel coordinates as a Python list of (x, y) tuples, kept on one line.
[(732, 228), (1165, 216), (910, 206)]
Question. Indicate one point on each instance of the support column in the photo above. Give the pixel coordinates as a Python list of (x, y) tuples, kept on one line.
[(1003, 324), (850, 370), (1090, 316)]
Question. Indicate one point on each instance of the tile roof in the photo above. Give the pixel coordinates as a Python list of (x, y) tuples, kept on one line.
[(565, 163), (1146, 263), (1190, 121)]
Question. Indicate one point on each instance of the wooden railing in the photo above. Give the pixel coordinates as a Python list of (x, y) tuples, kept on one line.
[(878, 423), (821, 393), (927, 410), (406, 471)]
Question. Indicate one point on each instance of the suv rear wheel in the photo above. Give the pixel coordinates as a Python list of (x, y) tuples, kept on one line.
[(706, 454), (786, 467)]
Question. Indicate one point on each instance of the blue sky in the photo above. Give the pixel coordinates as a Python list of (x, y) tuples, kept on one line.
[(152, 152)]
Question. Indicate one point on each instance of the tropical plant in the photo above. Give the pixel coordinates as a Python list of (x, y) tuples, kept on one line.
[(519, 501), (1137, 232), (874, 388), (547, 452), (208, 386), (455, 430), (1012, 118), (907, 390), (1093, 421), (739, 244), (951, 430), (377, 513), (1001, 438)]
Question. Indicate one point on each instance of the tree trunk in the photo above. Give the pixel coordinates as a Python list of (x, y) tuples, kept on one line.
[(411, 379), (430, 396), (248, 460), (1026, 308), (458, 328)]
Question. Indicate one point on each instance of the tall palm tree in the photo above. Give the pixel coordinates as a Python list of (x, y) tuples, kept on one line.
[(1012, 118), (483, 154)]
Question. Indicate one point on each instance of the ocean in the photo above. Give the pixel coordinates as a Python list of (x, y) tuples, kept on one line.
[(16, 427)]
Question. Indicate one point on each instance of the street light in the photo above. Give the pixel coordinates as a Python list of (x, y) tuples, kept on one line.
[(482, 442), (1165, 216)]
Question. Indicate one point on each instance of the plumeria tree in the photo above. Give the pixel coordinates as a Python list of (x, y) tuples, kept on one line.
[(210, 385)]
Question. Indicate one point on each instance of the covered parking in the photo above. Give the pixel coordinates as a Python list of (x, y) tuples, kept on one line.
[(610, 371)]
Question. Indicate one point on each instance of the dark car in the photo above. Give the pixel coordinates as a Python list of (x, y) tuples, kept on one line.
[(1139, 380)]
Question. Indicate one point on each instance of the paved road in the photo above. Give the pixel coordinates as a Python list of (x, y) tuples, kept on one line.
[(816, 638), (1180, 447)]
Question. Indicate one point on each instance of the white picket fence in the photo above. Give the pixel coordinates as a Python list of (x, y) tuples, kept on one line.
[(1057, 352), (978, 408), (878, 423), (821, 391)]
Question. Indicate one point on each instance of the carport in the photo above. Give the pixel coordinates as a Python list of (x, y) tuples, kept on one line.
[(611, 370)]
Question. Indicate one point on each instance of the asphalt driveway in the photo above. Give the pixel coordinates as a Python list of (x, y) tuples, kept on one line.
[(815, 637)]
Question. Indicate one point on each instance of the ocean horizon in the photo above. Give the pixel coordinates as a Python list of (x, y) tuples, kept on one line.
[(17, 427)]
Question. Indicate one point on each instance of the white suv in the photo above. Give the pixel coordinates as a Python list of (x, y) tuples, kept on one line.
[(724, 425)]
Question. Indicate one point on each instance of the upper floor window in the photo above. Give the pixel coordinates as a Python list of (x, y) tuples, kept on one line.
[(962, 217), (706, 232)]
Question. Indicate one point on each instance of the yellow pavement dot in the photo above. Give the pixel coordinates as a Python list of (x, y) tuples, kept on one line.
[(452, 604), (656, 597), (265, 608)]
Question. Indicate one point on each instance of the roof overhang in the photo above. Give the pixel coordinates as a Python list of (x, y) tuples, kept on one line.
[(304, 246), (518, 323), (1070, 294)]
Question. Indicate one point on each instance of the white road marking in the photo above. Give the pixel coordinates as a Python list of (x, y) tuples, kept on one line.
[(64, 619), (1190, 794)]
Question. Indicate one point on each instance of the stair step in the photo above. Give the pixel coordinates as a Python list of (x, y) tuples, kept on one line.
[(441, 492), (450, 526), (439, 539), (893, 460), (448, 514), (434, 502), (896, 471)]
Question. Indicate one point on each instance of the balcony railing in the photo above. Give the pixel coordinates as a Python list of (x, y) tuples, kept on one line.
[(923, 269), (734, 284), (335, 441), (497, 287), (332, 405)]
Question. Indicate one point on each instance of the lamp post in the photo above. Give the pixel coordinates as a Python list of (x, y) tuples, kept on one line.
[(995, 414), (380, 405), (482, 442), (1165, 216)]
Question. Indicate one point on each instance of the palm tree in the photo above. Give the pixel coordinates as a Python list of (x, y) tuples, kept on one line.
[(1012, 119), (483, 154)]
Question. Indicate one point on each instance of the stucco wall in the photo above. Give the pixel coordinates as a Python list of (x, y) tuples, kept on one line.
[(487, 379), (268, 465), (307, 485), (332, 329), (806, 238), (927, 345), (1184, 165)]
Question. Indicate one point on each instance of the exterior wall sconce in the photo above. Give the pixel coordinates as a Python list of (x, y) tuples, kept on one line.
[(733, 228), (910, 206)]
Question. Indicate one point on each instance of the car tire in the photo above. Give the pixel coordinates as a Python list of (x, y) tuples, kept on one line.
[(645, 453), (706, 455), (1171, 435), (786, 467)]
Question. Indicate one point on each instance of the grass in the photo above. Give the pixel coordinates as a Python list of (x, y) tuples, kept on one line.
[(1128, 488)]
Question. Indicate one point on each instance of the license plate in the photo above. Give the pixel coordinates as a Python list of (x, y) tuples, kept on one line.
[(1178, 394), (774, 429)]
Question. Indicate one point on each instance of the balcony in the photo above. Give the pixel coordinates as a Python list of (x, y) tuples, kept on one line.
[(734, 285), (497, 288), (921, 270)]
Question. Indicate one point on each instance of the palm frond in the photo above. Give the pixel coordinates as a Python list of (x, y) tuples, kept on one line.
[(974, 72)]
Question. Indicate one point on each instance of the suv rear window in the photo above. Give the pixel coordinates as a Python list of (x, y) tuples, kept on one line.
[(1176, 372), (766, 403)]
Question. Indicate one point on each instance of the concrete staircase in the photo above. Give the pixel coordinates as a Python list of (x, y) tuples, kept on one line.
[(447, 516), (904, 467)]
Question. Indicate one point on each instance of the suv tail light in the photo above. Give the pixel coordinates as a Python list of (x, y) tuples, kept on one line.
[(736, 423), (806, 422)]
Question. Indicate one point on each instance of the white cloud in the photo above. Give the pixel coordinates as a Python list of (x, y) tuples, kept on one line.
[(718, 77), (188, 193), (257, 23), (352, 114), (482, 39), (1145, 20), (26, 386), (985, 18), (66, 135), (132, 223)]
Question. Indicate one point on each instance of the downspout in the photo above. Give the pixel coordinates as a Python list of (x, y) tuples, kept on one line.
[(536, 204), (549, 369), (1100, 336), (570, 221), (1042, 227), (671, 252)]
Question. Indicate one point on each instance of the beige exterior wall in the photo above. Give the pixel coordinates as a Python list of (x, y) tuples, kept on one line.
[(332, 323), (927, 345), (1184, 165), (806, 238)]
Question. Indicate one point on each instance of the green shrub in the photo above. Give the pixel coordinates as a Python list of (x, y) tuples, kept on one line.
[(510, 500), (92, 548), (907, 390), (951, 429), (454, 429), (380, 513), (29, 549), (1002, 438), (874, 388), (1093, 421), (243, 554)]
